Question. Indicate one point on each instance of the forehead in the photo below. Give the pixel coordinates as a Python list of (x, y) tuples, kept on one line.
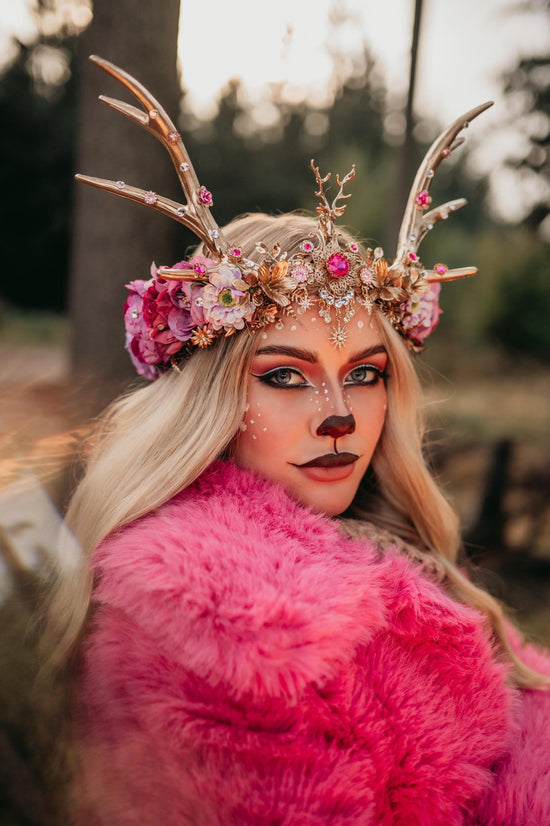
[(309, 331)]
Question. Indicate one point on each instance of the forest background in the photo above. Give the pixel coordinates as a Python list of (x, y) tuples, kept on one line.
[(67, 254)]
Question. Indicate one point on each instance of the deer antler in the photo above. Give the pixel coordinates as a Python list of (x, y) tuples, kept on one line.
[(195, 213), (328, 212), (416, 223)]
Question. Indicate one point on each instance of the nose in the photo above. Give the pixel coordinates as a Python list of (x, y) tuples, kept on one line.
[(336, 426)]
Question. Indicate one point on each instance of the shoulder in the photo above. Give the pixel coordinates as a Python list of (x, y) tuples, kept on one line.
[(241, 584)]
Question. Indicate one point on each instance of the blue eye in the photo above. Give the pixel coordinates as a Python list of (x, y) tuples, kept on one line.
[(365, 374), (283, 377)]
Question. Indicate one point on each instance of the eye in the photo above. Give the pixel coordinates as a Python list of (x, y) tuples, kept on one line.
[(283, 377), (365, 374)]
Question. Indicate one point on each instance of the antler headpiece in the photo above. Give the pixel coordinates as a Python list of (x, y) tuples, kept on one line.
[(190, 305)]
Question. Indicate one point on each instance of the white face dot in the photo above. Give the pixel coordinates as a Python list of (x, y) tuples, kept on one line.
[(293, 328), (264, 335), (360, 324)]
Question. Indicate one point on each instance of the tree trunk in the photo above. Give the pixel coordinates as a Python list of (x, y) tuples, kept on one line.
[(114, 240)]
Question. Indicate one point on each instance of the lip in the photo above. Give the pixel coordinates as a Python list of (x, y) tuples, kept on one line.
[(332, 467), (331, 460)]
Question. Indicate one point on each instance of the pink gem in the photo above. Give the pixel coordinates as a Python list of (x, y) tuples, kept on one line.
[(235, 252), (440, 269), (200, 269), (205, 197), (307, 246), (423, 199), (413, 257), (150, 197), (338, 265), (353, 247), (173, 137), (300, 273), (366, 275)]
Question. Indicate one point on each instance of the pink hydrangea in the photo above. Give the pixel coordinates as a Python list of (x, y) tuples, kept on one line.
[(421, 316)]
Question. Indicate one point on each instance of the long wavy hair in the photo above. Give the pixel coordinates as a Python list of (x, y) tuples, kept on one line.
[(156, 440)]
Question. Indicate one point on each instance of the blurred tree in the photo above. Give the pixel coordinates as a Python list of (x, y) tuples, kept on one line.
[(37, 101), (527, 87), (114, 242)]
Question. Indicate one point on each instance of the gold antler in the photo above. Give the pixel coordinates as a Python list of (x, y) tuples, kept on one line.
[(195, 213), (329, 212), (416, 222)]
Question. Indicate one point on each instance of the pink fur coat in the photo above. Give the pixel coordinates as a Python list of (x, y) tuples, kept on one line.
[(249, 664)]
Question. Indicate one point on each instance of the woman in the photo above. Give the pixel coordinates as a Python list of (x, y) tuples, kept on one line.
[(279, 633)]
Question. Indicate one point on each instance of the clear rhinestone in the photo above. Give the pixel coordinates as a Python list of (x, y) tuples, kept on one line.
[(430, 226), (412, 237), (153, 113), (150, 197), (184, 166), (214, 233), (180, 212), (430, 173), (134, 313), (250, 263), (173, 137), (465, 125), (199, 301), (120, 184)]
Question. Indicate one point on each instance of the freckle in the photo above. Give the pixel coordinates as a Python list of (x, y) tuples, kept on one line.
[(259, 415), (293, 328), (251, 421), (264, 335), (360, 324), (242, 426), (253, 436), (325, 391), (314, 319), (264, 429), (316, 392), (323, 383), (371, 325), (247, 407)]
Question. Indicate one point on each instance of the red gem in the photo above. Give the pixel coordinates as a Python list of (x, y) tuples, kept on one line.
[(338, 265), (307, 246), (413, 257), (235, 252)]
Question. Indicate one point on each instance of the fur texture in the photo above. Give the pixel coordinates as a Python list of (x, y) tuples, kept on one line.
[(248, 664)]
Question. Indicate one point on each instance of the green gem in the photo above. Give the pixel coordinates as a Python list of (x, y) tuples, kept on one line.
[(226, 298)]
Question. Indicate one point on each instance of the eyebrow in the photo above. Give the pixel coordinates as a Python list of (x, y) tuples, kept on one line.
[(307, 355)]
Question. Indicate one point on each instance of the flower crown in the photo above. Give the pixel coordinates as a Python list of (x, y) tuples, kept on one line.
[(190, 305)]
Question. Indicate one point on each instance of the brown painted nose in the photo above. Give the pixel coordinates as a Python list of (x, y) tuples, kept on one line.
[(336, 426)]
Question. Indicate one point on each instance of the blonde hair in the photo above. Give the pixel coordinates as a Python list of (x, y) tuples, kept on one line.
[(158, 439)]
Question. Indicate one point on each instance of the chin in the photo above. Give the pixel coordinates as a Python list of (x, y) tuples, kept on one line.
[(329, 500)]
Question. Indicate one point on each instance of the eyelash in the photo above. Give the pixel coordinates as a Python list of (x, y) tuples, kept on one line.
[(269, 378)]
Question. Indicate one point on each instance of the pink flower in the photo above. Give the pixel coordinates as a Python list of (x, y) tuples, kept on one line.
[(227, 304), (421, 316)]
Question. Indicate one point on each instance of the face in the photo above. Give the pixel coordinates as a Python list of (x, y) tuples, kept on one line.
[(314, 413)]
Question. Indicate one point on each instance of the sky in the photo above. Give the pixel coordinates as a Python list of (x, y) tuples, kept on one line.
[(466, 46)]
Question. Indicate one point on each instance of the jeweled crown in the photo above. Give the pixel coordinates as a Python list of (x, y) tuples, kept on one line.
[(191, 304)]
